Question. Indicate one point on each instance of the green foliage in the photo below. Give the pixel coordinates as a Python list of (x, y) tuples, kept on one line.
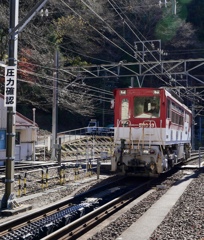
[(184, 1), (170, 26), (167, 28), (77, 61), (82, 38), (67, 25), (183, 13), (196, 16)]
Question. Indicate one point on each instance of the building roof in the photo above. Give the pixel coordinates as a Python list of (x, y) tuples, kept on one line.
[(21, 120)]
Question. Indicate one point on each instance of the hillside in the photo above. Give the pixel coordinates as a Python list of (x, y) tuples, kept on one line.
[(55, 51)]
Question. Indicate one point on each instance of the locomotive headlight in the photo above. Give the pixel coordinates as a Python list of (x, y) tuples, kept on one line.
[(122, 92), (156, 91), (148, 151), (145, 151), (126, 151)]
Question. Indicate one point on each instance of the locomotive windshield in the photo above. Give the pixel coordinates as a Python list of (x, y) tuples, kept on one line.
[(146, 107)]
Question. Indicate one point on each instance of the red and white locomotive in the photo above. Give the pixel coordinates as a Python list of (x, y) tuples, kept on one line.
[(152, 131)]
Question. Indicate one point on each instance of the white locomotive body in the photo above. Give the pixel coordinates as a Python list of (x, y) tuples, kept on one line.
[(152, 131)]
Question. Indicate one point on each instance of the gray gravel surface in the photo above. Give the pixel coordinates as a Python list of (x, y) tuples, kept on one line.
[(186, 218), (184, 221)]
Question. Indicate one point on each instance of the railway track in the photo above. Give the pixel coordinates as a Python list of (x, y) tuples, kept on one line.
[(87, 222), (85, 206), (194, 158), (87, 213), (30, 178), (83, 223), (29, 166)]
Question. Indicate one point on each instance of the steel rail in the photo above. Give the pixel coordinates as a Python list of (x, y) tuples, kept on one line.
[(77, 228), (47, 211)]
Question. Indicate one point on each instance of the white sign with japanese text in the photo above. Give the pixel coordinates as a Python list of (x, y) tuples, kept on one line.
[(10, 86)]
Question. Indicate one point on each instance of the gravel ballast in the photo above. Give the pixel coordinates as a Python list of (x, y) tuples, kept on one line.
[(184, 221)]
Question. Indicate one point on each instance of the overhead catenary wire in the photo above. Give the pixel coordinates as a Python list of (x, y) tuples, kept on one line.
[(106, 37), (166, 82), (65, 48), (116, 45), (102, 97), (146, 66), (122, 37), (118, 7), (136, 35), (99, 17), (83, 1), (163, 80), (86, 87)]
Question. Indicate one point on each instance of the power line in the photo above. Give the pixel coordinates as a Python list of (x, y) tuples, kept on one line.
[(98, 30), (85, 87), (138, 37)]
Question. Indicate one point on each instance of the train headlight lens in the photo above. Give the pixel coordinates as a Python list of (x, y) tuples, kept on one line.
[(152, 151), (146, 151), (126, 151), (156, 91), (122, 92)]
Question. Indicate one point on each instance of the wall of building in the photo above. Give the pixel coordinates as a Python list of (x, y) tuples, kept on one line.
[(26, 130)]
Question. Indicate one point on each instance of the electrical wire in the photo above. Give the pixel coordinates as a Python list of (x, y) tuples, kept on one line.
[(102, 96), (102, 19), (166, 71), (127, 43), (85, 87), (105, 36), (98, 30), (121, 37)]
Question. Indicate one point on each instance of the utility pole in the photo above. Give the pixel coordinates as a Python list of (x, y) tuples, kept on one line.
[(103, 120), (10, 140), (173, 6), (11, 77), (34, 109), (55, 106), (173, 3), (193, 127)]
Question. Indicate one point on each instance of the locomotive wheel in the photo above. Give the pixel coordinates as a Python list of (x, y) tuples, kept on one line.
[(120, 164), (170, 163)]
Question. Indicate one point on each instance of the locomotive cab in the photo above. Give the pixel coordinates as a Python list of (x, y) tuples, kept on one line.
[(152, 131)]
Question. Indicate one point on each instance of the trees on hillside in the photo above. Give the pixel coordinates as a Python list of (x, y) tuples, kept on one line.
[(195, 10), (86, 32)]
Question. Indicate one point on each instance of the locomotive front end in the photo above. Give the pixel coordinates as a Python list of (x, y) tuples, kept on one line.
[(150, 131)]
